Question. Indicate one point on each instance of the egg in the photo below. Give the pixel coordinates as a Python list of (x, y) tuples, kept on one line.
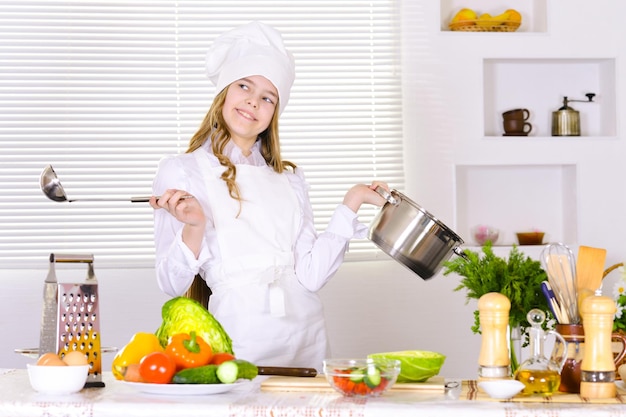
[(75, 358), (50, 359)]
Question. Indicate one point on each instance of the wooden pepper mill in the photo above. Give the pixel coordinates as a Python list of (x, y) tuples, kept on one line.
[(494, 361), (597, 367)]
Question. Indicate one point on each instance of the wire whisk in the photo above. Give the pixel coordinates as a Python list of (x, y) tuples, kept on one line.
[(560, 265)]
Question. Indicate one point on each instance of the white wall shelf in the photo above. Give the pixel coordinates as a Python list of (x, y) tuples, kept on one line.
[(539, 85), (534, 13), (518, 198), (551, 138)]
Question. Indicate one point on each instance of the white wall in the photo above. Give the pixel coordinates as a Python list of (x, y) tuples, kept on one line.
[(446, 126), (130, 302), (379, 305), (370, 307)]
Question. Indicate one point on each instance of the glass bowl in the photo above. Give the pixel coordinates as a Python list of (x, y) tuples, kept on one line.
[(361, 377), (483, 233)]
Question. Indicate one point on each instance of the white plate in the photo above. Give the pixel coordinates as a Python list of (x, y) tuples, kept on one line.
[(621, 385), (183, 389)]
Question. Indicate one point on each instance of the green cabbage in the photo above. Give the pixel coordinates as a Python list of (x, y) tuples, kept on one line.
[(184, 315), (415, 365)]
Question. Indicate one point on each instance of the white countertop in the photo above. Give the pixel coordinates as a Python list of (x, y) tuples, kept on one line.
[(118, 399)]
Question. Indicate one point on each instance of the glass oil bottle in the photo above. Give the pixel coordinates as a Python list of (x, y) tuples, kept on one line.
[(539, 374)]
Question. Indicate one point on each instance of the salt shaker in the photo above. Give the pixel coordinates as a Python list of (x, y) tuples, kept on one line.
[(597, 367), (494, 361)]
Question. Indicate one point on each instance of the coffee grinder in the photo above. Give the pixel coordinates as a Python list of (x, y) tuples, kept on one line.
[(566, 120)]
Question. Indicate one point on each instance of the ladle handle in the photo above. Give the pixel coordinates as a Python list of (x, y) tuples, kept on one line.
[(146, 199)]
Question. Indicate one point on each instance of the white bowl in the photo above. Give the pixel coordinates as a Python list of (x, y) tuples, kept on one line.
[(501, 389), (57, 379)]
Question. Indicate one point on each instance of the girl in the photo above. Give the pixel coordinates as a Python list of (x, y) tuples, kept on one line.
[(233, 212)]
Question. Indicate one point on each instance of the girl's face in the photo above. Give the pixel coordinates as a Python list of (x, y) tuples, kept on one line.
[(248, 108)]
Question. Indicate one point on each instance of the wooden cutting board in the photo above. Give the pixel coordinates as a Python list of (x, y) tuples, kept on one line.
[(319, 383)]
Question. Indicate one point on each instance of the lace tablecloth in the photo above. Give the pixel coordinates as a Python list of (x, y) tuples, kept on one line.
[(116, 399)]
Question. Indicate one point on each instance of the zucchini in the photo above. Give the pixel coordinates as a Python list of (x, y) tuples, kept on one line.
[(206, 374), (230, 371)]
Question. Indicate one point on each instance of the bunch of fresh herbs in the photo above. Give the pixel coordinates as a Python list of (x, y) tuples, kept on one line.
[(518, 278)]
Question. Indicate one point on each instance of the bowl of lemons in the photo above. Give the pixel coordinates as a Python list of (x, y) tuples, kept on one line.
[(468, 20)]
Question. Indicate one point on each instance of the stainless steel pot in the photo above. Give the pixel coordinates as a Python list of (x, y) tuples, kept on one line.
[(412, 236)]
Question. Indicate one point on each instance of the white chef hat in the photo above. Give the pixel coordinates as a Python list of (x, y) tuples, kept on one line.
[(251, 49)]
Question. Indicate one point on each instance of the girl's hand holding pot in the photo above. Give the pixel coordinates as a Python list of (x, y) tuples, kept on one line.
[(362, 193)]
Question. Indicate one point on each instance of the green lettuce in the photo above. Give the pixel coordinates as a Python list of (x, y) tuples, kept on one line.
[(184, 315), (415, 365)]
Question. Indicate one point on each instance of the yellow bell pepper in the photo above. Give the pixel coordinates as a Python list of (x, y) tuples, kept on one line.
[(139, 346)]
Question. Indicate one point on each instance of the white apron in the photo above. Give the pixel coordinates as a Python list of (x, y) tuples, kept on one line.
[(271, 318)]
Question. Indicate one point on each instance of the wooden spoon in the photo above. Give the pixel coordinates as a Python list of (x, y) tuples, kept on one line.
[(589, 268), (582, 294)]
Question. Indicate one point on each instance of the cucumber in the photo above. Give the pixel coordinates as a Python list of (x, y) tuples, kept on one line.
[(356, 375), (373, 377), (230, 371), (206, 374)]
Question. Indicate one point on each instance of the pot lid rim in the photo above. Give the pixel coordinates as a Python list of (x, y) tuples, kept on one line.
[(400, 196)]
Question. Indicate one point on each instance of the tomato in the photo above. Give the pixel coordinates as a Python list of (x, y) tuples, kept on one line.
[(139, 346), (221, 357), (351, 384), (157, 368)]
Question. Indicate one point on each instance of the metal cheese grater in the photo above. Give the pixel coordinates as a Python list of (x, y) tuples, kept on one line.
[(70, 318)]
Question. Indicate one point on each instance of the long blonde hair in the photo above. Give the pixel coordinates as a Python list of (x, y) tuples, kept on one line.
[(214, 128)]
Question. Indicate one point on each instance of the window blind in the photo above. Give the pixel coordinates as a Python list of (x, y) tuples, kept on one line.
[(102, 90)]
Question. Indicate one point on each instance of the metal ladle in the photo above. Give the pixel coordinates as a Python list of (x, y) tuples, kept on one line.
[(52, 188)]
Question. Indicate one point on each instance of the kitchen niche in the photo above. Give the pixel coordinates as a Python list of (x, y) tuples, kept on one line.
[(517, 198), (534, 13), (539, 85)]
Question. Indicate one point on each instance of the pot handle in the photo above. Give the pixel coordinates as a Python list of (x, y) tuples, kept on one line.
[(386, 195), (458, 251)]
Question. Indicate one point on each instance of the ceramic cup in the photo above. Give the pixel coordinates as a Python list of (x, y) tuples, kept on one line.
[(517, 126), (518, 114)]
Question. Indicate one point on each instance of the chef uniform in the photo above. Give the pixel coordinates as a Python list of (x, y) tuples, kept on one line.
[(261, 257)]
